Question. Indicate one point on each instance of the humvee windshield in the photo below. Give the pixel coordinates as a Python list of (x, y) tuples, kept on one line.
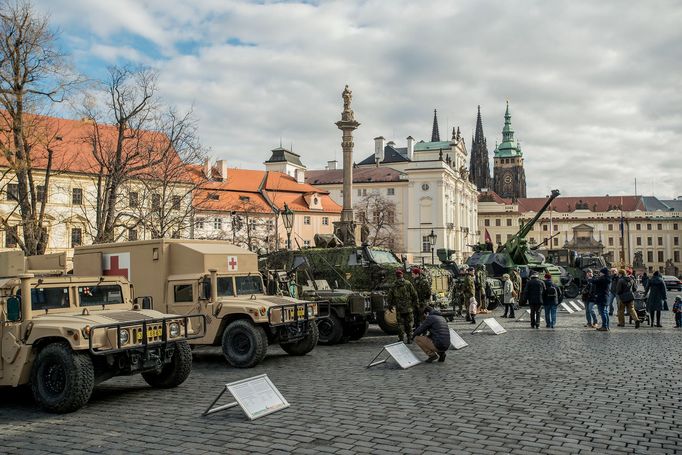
[(49, 298), (249, 285), (100, 295), (225, 286), (383, 257)]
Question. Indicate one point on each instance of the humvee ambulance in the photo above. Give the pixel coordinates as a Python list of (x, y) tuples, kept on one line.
[(63, 334), (213, 278)]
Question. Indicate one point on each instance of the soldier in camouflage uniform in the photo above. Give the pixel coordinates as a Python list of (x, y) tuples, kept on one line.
[(456, 301), (469, 290), (403, 297), (479, 279), (423, 287)]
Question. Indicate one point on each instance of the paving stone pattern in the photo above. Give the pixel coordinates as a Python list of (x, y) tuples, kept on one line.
[(567, 390)]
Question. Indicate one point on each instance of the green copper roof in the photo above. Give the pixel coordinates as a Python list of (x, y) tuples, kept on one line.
[(424, 146), (508, 147)]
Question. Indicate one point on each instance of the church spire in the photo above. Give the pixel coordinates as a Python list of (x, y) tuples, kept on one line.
[(479, 127), (435, 134), (479, 166)]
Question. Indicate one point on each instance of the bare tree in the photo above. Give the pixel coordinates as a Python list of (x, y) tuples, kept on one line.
[(32, 76), (378, 214), (135, 140)]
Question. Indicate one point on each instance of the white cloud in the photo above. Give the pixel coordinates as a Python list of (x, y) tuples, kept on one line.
[(594, 88)]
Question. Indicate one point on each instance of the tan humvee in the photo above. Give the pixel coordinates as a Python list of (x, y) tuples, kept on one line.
[(213, 278), (63, 334)]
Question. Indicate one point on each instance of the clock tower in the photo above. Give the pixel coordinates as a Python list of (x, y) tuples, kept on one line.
[(509, 180)]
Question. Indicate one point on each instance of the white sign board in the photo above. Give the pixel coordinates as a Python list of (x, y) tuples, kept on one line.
[(257, 396), (494, 326), (456, 341), (402, 354), (575, 306), (568, 309)]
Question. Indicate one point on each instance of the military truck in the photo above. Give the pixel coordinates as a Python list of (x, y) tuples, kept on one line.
[(64, 334), (213, 278)]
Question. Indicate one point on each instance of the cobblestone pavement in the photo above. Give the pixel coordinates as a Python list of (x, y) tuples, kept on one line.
[(567, 390)]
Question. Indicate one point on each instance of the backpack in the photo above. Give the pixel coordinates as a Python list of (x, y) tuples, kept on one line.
[(551, 294)]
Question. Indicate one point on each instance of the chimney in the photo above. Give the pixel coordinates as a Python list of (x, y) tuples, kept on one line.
[(207, 168), (410, 148), (300, 175), (331, 165), (379, 145), (222, 169)]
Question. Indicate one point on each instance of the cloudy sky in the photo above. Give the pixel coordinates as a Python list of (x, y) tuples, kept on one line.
[(595, 88)]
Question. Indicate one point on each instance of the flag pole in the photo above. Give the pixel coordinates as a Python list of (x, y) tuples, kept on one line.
[(622, 234)]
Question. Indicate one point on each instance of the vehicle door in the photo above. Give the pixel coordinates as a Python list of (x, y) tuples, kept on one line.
[(182, 297)]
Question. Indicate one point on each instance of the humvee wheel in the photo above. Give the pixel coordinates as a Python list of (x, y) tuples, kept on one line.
[(571, 291), (174, 373), (358, 331), (244, 344), (330, 329), (305, 345), (388, 322), (61, 379)]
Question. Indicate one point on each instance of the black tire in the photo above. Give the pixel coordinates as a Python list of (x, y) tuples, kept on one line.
[(330, 329), (358, 330), (173, 373), (62, 380), (571, 291), (244, 344), (386, 320), (305, 345)]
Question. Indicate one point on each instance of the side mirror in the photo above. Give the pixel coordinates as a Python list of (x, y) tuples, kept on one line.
[(144, 302), (13, 309)]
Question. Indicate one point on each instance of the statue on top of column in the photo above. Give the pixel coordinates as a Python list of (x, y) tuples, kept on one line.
[(347, 114)]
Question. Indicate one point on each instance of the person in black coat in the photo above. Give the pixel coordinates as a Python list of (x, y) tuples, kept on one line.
[(656, 294), (533, 294), (601, 293), (433, 335)]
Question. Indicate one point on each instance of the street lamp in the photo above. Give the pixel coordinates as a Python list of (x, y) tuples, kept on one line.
[(288, 219), (432, 241)]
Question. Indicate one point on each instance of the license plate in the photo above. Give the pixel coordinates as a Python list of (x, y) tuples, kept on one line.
[(151, 333), (290, 312)]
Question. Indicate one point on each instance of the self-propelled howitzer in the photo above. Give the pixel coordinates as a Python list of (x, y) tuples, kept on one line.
[(516, 247)]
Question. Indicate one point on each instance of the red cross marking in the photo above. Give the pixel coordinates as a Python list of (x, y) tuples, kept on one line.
[(114, 268), (232, 263)]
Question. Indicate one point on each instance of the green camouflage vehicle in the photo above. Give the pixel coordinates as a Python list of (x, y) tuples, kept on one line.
[(573, 266)]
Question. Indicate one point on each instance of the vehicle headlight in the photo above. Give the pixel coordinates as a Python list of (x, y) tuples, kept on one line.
[(174, 329), (311, 311), (123, 337)]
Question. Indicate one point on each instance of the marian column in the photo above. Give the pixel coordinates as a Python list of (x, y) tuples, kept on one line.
[(345, 229)]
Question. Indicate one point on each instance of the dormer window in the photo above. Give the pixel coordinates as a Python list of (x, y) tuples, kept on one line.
[(213, 196), (244, 198)]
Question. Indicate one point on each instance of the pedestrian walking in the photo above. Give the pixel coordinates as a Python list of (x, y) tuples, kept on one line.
[(656, 294), (532, 294), (473, 309), (550, 301), (625, 291), (611, 299), (588, 299), (402, 297), (601, 293), (518, 286), (508, 296), (677, 310), (433, 335)]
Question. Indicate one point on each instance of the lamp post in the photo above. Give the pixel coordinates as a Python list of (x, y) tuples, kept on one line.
[(432, 241), (288, 219)]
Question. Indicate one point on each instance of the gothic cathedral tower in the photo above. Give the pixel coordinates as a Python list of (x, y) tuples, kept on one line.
[(479, 168), (509, 176)]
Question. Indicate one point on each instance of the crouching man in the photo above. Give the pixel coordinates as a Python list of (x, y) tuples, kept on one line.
[(433, 335)]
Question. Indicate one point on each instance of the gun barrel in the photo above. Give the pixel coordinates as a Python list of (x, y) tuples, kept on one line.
[(527, 227)]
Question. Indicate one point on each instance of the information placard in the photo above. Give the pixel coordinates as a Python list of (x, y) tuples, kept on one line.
[(402, 354), (257, 396), (456, 340), (495, 326), (566, 308)]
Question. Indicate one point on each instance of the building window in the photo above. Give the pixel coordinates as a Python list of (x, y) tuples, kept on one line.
[(306, 219), (498, 238), (509, 222), (76, 237), (660, 241), (610, 227), (364, 191), (156, 201), (200, 223), (676, 256), (132, 234), (650, 256), (41, 194), (306, 243), (11, 235), (325, 220), (12, 191), (390, 191), (676, 241), (544, 227), (659, 226), (674, 226), (556, 241), (660, 256), (77, 196), (376, 217), (270, 224), (486, 222), (648, 227), (498, 222), (649, 241), (176, 202), (390, 217), (639, 241), (610, 241), (426, 245), (620, 241), (133, 199), (217, 223), (359, 192), (639, 227), (213, 197)]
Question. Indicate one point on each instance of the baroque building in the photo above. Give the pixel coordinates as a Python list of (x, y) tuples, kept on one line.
[(509, 175), (479, 167)]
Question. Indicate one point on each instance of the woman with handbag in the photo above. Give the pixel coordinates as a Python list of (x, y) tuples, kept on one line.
[(626, 299)]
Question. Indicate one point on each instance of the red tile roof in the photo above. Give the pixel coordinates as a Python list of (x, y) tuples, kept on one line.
[(360, 175), (569, 203)]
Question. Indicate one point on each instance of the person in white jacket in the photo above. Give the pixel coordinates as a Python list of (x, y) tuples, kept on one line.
[(508, 297)]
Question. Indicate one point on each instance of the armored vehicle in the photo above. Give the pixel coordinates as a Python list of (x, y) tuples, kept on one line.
[(516, 254), (63, 334), (573, 266), (215, 279)]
